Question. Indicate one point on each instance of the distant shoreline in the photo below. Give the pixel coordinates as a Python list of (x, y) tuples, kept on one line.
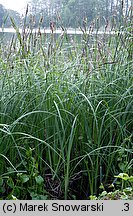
[(59, 31)]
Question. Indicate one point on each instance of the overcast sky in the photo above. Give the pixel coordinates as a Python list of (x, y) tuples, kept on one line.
[(17, 5)]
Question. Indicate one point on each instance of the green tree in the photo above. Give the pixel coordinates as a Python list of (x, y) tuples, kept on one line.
[(5, 16), (15, 15), (73, 12)]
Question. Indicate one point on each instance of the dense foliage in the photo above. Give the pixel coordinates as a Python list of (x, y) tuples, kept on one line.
[(72, 12), (66, 117)]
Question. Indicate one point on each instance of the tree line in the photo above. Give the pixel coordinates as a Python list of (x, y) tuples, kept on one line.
[(71, 13), (74, 13), (5, 15)]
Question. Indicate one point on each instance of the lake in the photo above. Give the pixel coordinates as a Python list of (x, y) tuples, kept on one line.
[(59, 31)]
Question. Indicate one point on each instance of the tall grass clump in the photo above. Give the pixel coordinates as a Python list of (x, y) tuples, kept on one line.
[(66, 111)]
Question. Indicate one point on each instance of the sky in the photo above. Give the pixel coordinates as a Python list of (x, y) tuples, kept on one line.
[(18, 5)]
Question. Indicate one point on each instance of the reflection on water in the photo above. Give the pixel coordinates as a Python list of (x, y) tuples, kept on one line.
[(7, 33), (57, 31), (73, 38)]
